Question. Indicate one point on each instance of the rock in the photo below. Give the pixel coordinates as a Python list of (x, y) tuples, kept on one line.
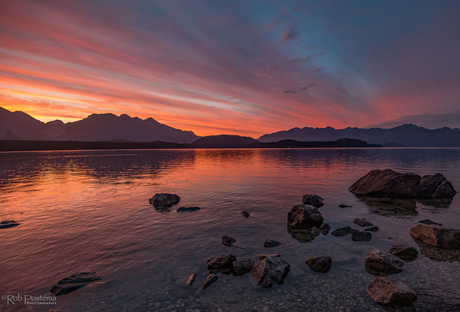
[(362, 222), (437, 236), (315, 231), (270, 271), (320, 264), (343, 231), (429, 222), (164, 200), (435, 186), (191, 279), (243, 266), (325, 228), (359, 236), (212, 278), (271, 243), (304, 217), (372, 229), (344, 206), (404, 252), (263, 256), (387, 183), (245, 213), (228, 241), (391, 292), (437, 254), (74, 282), (188, 209), (222, 262), (381, 261), (8, 223), (303, 236), (313, 200)]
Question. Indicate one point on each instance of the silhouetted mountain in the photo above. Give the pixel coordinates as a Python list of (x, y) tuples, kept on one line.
[(224, 141), (10, 135), (57, 126), (314, 144), (407, 135), (24, 126)]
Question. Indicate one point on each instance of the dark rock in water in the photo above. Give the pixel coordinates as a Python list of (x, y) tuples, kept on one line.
[(391, 292), (343, 231), (387, 183), (437, 254), (245, 213), (320, 264), (435, 186), (429, 222), (390, 207), (304, 217), (344, 206), (313, 200), (303, 236), (263, 256), (208, 260), (362, 222), (404, 252), (228, 241), (211, 279), (188, 209), (315, 231), (381, 261), (372, 229), (191, 279), (222, 262), (325, 228), (437, 236), (271, 243), (7, 224), (270, 271), (164, 200), (359, 236), (243, 266), (74, 282)]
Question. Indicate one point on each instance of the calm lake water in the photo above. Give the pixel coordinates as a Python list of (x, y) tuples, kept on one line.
[(89, 211)]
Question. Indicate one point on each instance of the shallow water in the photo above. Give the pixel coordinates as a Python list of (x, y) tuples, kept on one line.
[(89, 211)]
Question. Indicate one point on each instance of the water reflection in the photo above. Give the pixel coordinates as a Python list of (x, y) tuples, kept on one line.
[(390, 207), (436, 253)]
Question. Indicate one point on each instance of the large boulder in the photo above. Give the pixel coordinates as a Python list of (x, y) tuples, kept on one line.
[(390, 292), (383, 262), (243, 266), (74, 282), (320, 264), (164, 200), (437, 236), (269, 271), (435, 186), (222, 262), (387, 183), (313, 200), (304, 217)]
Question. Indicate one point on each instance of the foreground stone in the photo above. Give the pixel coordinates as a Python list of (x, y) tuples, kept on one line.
[(360, 236), (211, 279), (245, 213), (435, 186), (74, 282), (362, 222), (243, 266), (437, 236), (164, 200), (313, 200), (320, 264), (8, 223), (381, 261), (228, 241), (404, 252), (222, 262), (343, 231), (270, 271), (191, 280), (390, 292), (188, 209), (304, 217), (271, 243)]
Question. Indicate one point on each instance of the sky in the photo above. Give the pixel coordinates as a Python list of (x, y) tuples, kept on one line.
[(234, 67)]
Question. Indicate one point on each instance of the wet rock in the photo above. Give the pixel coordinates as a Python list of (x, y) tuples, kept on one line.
[(344, 206), (8, 223), (429, 222), (211, 279), (320, 264), (191, 280), (74, 282), (437, 236), (164, 200), (343, 231), (381, 261), (313, 200), (387, 183), (270, 271), (360, 236), (181, 275), (316, 231), (372, 229), (271, 243), (245, 213), (304, 217), (188, 209), (228, 241), (222, 262), (243, 266), (263, 256), (437, 254), (303, 236), (435, 186), (391, 292), (404, 252), (362, 222), (325, 228)]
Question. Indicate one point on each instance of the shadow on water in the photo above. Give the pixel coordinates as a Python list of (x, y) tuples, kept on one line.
[(437, 254), (436, 202)]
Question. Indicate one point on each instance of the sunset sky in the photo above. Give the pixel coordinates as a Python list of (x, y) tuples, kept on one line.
[(236, 67)]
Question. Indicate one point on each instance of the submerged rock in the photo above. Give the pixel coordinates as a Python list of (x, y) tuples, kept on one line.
[(313, 200), (359, 236), (212, 278), (271, 243), (391, 292), (74, 282), (270, 271), (344, 206), (188, 209), (381, 261), (437, 236), (435, 186), (222, 262), (404, 252), (263, 256), (304, 217), (191, 280), (245, 213), (320, 264), (228, 241), (243, 266), (437, 254), (362, 222), (429, 222), (325, 228), (372, 229), (164, 200), (8, 223), (343, 231)]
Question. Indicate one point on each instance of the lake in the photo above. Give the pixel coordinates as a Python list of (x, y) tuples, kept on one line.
[(89, 211)]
